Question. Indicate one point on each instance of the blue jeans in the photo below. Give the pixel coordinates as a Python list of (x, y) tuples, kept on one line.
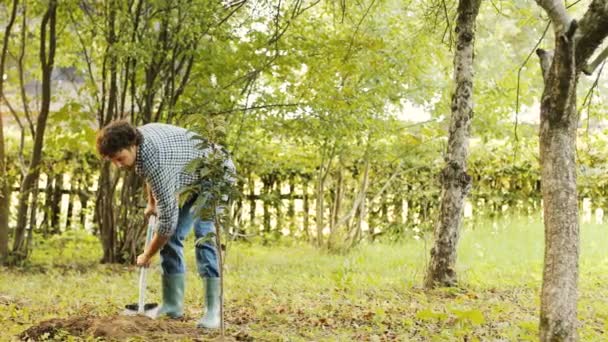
[(172, 253)]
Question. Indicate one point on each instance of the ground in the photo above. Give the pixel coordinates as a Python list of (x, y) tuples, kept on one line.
[(126, 328), (293, 291)]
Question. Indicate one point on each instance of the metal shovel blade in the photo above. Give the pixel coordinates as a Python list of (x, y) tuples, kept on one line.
[(149, 310)]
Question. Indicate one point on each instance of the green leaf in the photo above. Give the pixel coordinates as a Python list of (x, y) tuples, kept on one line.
[(474, 316), (428, 314), (208, 238)]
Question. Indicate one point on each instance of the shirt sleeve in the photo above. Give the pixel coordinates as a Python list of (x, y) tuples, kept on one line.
[(162, 182)]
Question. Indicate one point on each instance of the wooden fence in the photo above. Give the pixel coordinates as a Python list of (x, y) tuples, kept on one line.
[(64, 204)]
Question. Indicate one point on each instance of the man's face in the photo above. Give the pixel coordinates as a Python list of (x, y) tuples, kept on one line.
[(125, 158)]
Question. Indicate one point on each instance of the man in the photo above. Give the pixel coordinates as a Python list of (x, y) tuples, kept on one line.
[(159, 153)]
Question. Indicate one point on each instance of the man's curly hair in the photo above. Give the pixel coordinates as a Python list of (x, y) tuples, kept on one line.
[(117, 135)]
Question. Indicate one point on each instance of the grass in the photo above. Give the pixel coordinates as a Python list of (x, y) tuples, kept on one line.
[(295, 292)]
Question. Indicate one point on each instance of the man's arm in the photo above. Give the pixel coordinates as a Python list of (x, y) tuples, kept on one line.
[(160, 187), (151, 207), (157, 242)]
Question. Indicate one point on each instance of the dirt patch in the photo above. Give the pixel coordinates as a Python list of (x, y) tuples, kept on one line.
[(120, 328)]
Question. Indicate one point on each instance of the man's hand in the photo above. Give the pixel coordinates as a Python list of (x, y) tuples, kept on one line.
[(158, 241), (150, 210), (143, 260)]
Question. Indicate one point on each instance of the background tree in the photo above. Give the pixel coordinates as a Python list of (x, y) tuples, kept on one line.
[(455, 180), (4, 184), (29, 185)]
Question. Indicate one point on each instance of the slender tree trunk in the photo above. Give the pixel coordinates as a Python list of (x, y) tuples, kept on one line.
[(33, 221), (384, 209), (47, 60), (252, 201), (267, 185), (5, 195), (454, 178), (320, 207), (104, 207), (398, 216), (48, 194), (131, 218), (55, 207), (83, 198), (105, 214), (336, 208), (328, 153), (306, 205), (278, 204), (74, 184), (359, 209), (291, 211)]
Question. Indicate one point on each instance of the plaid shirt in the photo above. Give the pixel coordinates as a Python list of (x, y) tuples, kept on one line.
[(161, 159)]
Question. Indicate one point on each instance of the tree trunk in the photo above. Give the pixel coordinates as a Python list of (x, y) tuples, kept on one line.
[(48, 197), (306, 205), (574, 44), (55, 208), (5, 195), (336, 208), (131, 218), (33, 221), (291, 209), (104, 208), (454, 178), (237, 229), (104, 212), (560, 209), (47, 60), (319, 205), (252, 201), (328, 153), (74, 184), (359, 209), (278, 204), (267, 185), (84, 200)]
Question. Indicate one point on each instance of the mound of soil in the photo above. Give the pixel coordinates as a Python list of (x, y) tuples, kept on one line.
[(119, 328)]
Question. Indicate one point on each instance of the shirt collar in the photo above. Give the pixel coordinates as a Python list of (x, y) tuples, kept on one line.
[(139, 166)]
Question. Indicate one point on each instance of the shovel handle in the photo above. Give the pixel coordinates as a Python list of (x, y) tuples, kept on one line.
[(143, 270), (151, 224)]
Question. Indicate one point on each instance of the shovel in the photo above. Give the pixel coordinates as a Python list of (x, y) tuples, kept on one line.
[(141, 307)]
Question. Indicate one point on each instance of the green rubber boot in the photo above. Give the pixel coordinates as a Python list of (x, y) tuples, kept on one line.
[(211, 319), (173, 296)]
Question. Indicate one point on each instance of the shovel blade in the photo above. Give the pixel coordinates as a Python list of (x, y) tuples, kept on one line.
[(149, 310)]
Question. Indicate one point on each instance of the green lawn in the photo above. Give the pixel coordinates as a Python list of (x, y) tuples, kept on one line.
[(297, 293)]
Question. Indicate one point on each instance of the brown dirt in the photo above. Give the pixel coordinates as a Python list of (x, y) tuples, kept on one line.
[(120, 328)]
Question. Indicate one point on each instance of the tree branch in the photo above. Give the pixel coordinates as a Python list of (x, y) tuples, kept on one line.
[(448, 24), (24, 99), (588, 69), (243, 109), (87, 57), (546, 57), (556, 10), (237, 5), (519, 82), (22, 136), (593, 28), (588, 98), (352, 40)]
